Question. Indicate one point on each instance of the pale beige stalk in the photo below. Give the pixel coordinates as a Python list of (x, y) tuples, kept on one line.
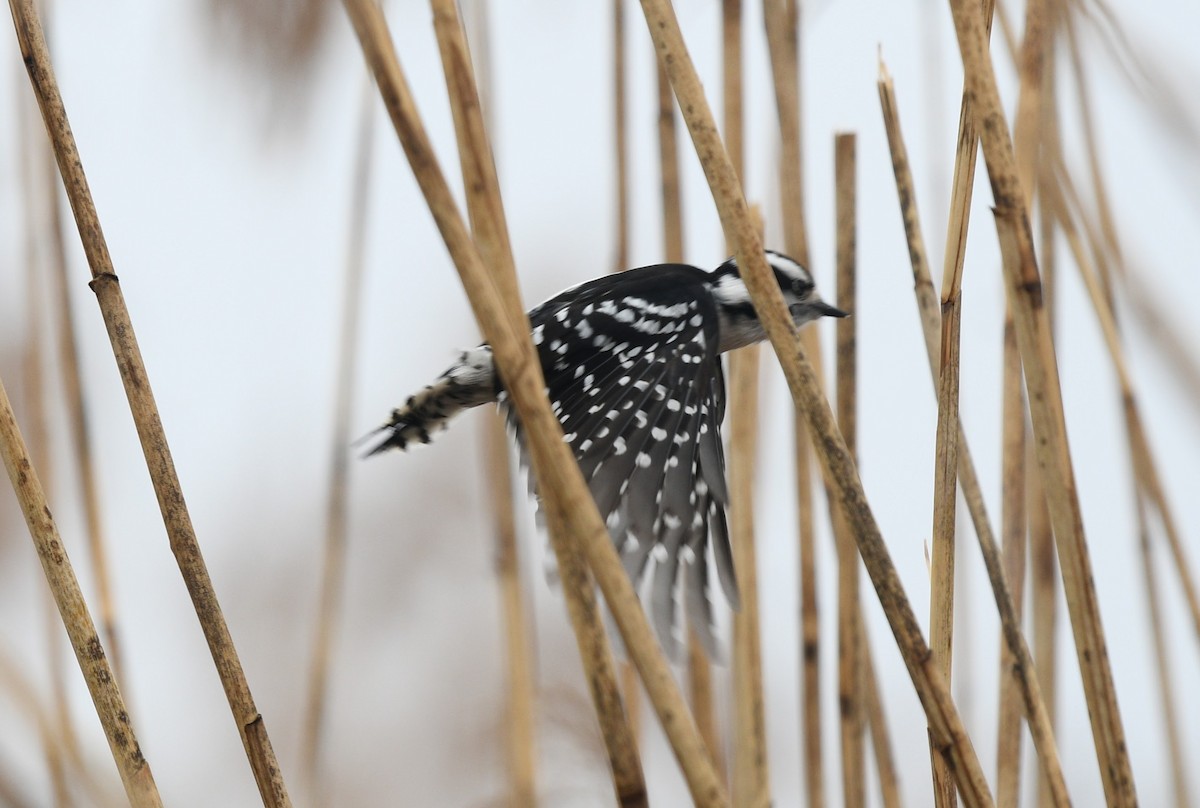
[(333, 563), (850, 640), (699, 667), (490, 229), (782, 22)]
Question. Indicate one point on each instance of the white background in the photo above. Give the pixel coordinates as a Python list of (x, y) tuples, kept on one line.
[(224, 199)]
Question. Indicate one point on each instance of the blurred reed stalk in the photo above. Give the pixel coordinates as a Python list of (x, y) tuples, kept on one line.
[(1045, 396), (576, 528), (1106, 249), (486, 211), (831, 449), (145, 412), (333, 564), (850, 640), (1029, 134), (699, 667), (1148, 490), (781, 19), (23, 693), (1043, 556), (110, 707), (930, 315), (947, 378), (750, 766), (629, 677), (521, 709), (31, 146)]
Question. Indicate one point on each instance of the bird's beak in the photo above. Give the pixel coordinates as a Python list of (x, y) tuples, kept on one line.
[(825, 310)]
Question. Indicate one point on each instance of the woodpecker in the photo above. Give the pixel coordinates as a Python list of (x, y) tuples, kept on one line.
[(633, 372)]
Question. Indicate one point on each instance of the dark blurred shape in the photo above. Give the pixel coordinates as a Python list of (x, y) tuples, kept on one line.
[(278, 47)]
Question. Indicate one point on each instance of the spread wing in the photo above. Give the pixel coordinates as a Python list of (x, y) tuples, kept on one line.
[(634, 376)]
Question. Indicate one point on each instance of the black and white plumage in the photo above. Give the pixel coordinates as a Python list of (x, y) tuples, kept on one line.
[(633, 372)]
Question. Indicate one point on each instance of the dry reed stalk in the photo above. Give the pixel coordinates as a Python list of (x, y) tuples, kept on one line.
[(570, 509), (40, 456), (522, 663), (927, 303), (1091, 144), (849, 617), (836, 463), (145, 412), (1145, 467), (1166, 688), (1146, 487), (1027, 139), (941, 600), (24, 695), (699, 667), (1166, 334), (620, 138), (782, 20), (110, 707), (333, 563), (1013, 527), (881, 744), (668, 157), (490, 230), (620, 264), (946, 380), (1043, 558), (1045, 396), (11, 796), (751, 785), (80, 429), (751, 781), (31, 148)]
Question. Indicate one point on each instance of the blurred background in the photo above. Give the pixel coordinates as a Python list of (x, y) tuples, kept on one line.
[(219, 144)]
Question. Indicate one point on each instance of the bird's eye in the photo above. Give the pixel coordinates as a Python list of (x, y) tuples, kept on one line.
[(800, 288)]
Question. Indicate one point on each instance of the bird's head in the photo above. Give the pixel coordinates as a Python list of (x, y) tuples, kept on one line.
[(740, 325)]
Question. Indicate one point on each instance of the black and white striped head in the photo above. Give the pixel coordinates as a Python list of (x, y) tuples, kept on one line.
[(739, 324)]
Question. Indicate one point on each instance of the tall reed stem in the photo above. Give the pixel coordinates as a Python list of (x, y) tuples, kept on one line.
[(145, 412)]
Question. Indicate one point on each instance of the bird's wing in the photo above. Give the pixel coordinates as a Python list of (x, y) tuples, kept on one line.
[(636, 383)]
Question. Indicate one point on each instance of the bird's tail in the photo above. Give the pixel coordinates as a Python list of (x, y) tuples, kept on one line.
[(468, 383)]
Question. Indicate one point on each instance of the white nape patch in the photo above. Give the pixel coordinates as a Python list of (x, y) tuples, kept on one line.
[(474, 368), (789, 267)]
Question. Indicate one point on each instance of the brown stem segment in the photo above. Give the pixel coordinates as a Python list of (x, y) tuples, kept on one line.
[(850, 639)]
